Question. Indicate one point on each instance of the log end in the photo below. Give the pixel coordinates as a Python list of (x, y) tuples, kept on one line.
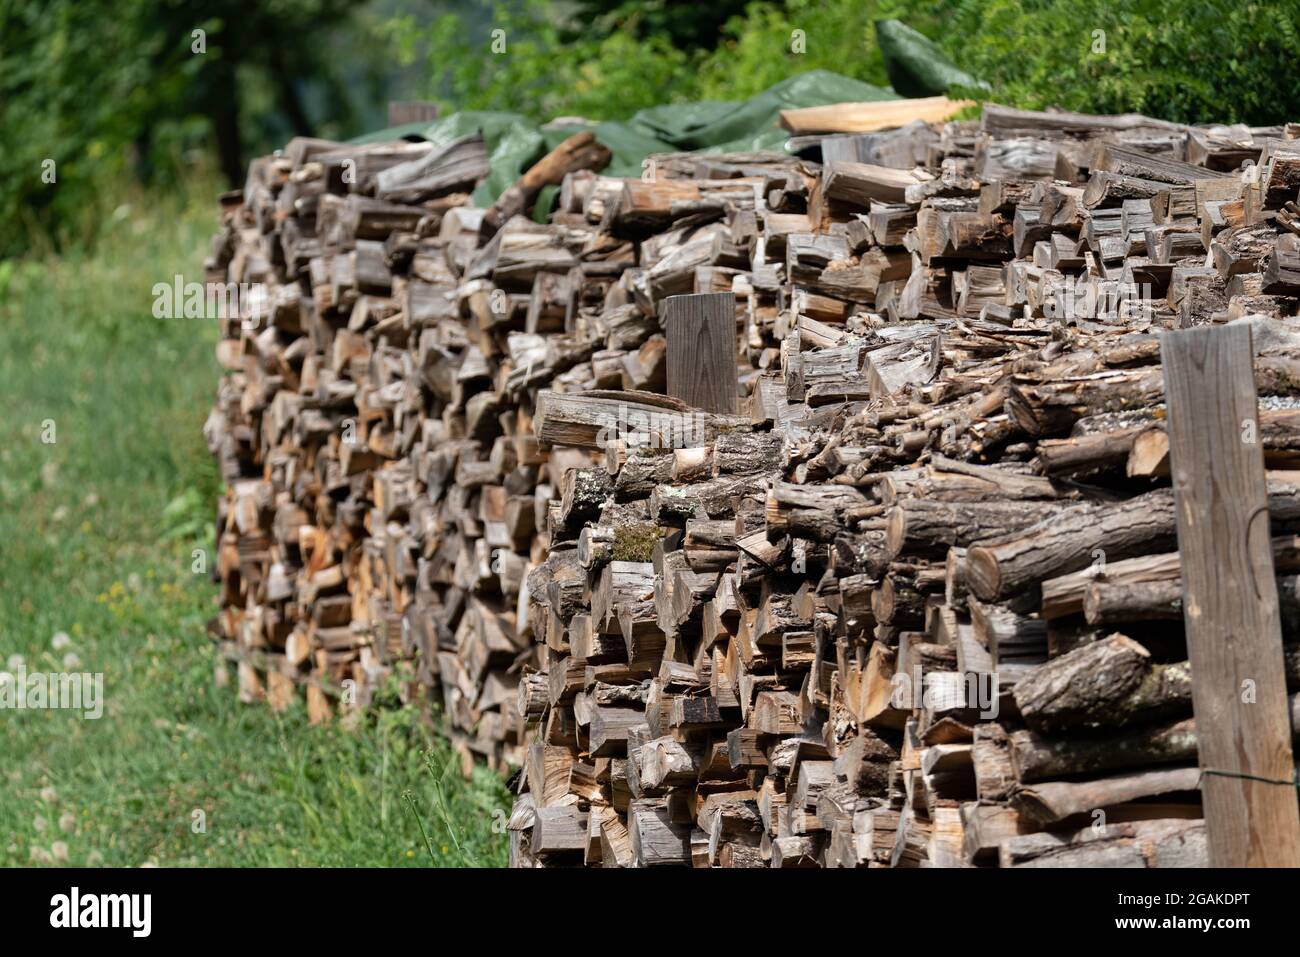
[(983, 576)]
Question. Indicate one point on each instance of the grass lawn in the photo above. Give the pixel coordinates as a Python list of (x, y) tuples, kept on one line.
[(97, 536)]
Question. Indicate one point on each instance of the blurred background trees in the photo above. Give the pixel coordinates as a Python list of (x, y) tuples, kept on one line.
[(114, 88)]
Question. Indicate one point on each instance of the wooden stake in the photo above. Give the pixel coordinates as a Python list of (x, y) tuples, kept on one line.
[(701, 333), (1234, 637), (401, 112)]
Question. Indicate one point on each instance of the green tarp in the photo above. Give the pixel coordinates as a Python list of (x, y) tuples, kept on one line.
[(916, 67), (514, 143)]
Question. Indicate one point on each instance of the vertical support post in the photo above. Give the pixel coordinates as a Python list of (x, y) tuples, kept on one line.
[(1230, 604), (701, 334), (401, 112)]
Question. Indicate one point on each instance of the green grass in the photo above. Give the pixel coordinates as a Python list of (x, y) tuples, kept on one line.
[(97, 537)]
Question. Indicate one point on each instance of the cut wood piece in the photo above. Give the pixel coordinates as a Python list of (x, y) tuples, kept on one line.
[(701, 334), (581, 151), (1072, 540), (1049, 802), (1107, 603), (610, 728), (1038, 757), (1160, 843), (1109, 683), (928, 529), (1149, 455), (591, 420), (559, 829), (1065, 595), (656, 838), (460, 164), (984, 828), (868, 117), (858, 184), (401, 112), (997, 117)]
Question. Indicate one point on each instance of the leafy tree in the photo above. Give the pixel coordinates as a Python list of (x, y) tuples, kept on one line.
[(1213, 61), (102, 87)]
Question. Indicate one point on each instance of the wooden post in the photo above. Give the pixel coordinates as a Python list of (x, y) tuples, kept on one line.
[(1234, 636), (701, 334), (401, 112)]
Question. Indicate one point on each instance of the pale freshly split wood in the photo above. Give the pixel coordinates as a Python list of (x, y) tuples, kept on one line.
[(867, 117)]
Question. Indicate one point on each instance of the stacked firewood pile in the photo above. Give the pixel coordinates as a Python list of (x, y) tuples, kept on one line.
[(765, 512)]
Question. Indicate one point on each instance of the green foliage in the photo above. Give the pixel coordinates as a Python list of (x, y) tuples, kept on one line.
[(99, 87), (1206, 62), (529, 61), (76, 84), (97, 539), (688, 26), (614, 66), (771, 42), (1217, 61)]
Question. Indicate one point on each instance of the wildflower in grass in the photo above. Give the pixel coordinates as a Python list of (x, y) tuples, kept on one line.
[(60, 640), (71, 662), (49, 795), (67, 821), (40, 823), (59, 850), (15, 662), (40, 855), (94, 859)]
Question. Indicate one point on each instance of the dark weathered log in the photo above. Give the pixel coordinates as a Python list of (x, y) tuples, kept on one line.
[(1048, 802), (1109, 683), (1075, 538), (1158, 843), (927, 528), (1037, 757), (1106, 603)]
